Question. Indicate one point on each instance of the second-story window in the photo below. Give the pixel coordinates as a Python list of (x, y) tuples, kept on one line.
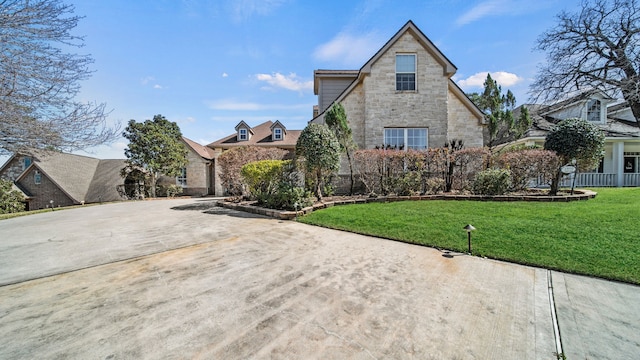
[(593, 110), (405, 72), (242, 134), (277, 134), (37, 177)]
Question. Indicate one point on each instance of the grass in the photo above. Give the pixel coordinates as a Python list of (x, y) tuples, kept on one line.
[(598, 237)]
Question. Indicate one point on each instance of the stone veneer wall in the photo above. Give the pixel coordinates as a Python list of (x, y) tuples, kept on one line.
[(197, 176), (463, 124), (13, 169), (425, 107)]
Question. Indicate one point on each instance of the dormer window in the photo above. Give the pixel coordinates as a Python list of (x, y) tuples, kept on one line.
[(277, 134), (26, 162), (242, 134), (594, 110)]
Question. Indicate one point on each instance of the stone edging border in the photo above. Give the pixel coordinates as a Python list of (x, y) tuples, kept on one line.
[(290, 215)]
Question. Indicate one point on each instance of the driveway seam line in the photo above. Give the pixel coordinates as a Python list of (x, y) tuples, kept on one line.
[(554, 317)]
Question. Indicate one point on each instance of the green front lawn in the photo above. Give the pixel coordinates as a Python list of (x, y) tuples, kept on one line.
[(599, 237)]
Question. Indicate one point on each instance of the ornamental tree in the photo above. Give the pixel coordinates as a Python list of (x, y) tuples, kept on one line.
[(156, 147), (321, 151), (336, 120), (575, 139)]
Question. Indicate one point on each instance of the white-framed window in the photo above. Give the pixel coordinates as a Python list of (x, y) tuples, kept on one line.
[(26, 162), (594, 108), (405, 72), (406, 138), (37, 177), (277, 133), (243, 134), (181, 180)]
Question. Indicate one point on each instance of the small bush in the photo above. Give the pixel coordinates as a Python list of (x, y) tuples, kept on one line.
[(263, 177), (492, 182), (10, 200), (173, 190)]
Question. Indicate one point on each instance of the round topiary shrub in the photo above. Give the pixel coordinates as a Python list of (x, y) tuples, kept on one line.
[(492, 182)]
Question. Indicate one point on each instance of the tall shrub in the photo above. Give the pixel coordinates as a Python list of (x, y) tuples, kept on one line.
[(230, 164), (321, 152)]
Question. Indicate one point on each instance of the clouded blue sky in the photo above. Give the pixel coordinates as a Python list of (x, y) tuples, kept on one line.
[(208, 64)]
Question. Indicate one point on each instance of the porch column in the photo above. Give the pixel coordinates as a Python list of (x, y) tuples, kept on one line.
[(618, 162)]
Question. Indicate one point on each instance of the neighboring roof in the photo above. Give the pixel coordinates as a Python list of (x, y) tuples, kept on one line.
[(82, 178), (71, 173), (541, 125), (203, 151), (104, 185), (572, 101), (261, 137)]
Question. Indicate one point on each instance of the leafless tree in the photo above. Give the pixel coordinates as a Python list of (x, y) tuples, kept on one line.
[(39, 80), (597, 47)]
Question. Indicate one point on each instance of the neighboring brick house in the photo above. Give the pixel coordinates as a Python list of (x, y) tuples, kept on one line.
[(58, 179), (267, 134), (621, 163), (403, 96)]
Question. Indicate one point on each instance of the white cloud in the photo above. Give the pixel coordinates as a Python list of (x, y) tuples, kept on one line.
[(157, 86), (289, 82), (503, 78), (244, 9), (224, 75), (232, 105), (349, 50)]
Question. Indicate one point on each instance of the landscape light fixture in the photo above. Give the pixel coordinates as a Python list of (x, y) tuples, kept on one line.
[(469, 228), (51, 202)]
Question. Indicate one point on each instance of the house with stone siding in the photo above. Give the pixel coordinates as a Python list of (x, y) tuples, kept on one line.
[(403, 96), (197, 178), (55, 179)]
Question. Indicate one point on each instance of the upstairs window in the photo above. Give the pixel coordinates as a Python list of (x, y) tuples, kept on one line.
[(26, 162), (37, 177), (406, 138), (242, 134), (593, 110), (277, 133), (406, 72), (181, 180)]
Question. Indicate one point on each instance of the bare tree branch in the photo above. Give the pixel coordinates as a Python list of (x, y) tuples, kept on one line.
[(597, 47), (39, 81)]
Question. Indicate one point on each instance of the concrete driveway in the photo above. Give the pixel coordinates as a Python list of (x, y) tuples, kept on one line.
[(181, 279)]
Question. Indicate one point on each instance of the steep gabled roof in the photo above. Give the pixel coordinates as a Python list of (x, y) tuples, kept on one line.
[(261, 137), (447, 66), (278, 124), (203, 151), (71, 173)]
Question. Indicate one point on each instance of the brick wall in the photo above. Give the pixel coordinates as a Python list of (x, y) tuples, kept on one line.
[(44, 192)]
